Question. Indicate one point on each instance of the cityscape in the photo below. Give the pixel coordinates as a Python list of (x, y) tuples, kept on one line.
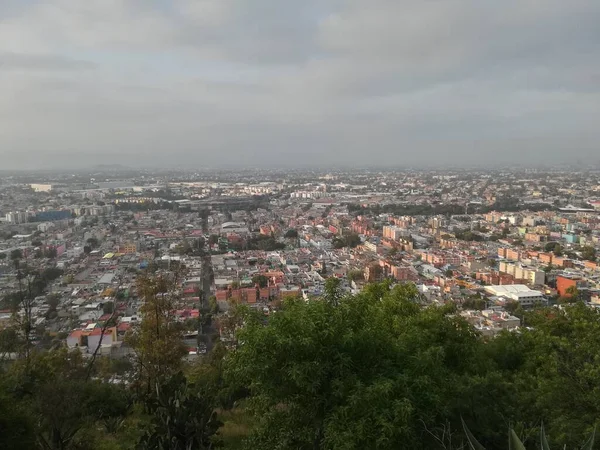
[(502, 241), (77, 248), (310, 225)]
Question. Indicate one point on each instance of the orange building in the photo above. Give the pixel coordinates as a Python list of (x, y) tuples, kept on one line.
[(513, 255), (128, 248), (545, 258), (564, 282)]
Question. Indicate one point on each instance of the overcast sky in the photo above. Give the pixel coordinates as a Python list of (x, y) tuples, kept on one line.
[(298, 82)]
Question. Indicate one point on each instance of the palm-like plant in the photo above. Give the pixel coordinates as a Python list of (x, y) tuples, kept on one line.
[(514, 443)]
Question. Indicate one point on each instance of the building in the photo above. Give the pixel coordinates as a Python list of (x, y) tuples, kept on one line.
[(522, 272), (566, 281), (393, 232), (517, 292), (52, 215), (16, 217), (41, 187), (373, 272), (106, 279), (404, 273), (44, 227), (128, 248), (233, 227)]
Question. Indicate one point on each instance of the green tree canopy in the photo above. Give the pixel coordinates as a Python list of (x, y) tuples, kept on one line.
[(588, 253), (261, 280), (291, 234), (365, 372)]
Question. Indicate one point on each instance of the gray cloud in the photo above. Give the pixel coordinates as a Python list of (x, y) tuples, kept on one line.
[(314, 82), (14, 61)]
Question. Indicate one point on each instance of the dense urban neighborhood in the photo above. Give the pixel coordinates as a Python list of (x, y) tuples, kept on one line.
[(492, 243), (83, 255)]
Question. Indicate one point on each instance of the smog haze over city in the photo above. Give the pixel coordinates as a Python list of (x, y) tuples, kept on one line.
[(299, 225), (274, 83)]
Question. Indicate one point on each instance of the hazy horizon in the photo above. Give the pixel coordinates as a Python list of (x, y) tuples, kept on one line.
[(316, 83)]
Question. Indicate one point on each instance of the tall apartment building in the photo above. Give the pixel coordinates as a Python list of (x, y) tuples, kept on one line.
[(520, 272), (16, 217), (393, 232)]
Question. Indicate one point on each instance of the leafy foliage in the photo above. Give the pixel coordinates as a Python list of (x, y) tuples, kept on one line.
[(348, 240), (182, 419), (514, 443), (326, 361), (371, 371), (157, 342)]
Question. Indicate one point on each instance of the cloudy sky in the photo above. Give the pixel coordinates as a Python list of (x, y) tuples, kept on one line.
[(299, 83)]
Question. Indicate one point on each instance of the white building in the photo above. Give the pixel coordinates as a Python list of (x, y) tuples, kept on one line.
[(45, 226), (517, 292), (16, 217), (41, 187)]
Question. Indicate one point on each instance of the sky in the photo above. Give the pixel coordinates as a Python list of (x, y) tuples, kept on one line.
[(315, 83)]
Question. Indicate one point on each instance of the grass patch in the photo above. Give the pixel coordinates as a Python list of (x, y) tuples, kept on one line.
[(237, 424)]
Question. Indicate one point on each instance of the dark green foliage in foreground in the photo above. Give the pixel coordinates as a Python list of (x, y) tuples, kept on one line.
[(181, 418), (514, 443), (372, 371), (376, 371)]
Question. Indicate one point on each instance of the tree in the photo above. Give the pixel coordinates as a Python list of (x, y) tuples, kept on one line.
[(468, 236), (474, 303), (512, 306), (63, 411), (557, 354), (572, 295), (10, 342), (92, 242), (157, 343), (16, 254), (261, 280), (352, 240), (51, 274), (108, 307), (371, 371), (213, 305), (349, 240), (2, 256), (333, 292), (185, 248), (53, 300), (16, 426), (291, 234), (355, 275), (514, 442), (51, 253), (588, 253), (375, 272), (182, 418)]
